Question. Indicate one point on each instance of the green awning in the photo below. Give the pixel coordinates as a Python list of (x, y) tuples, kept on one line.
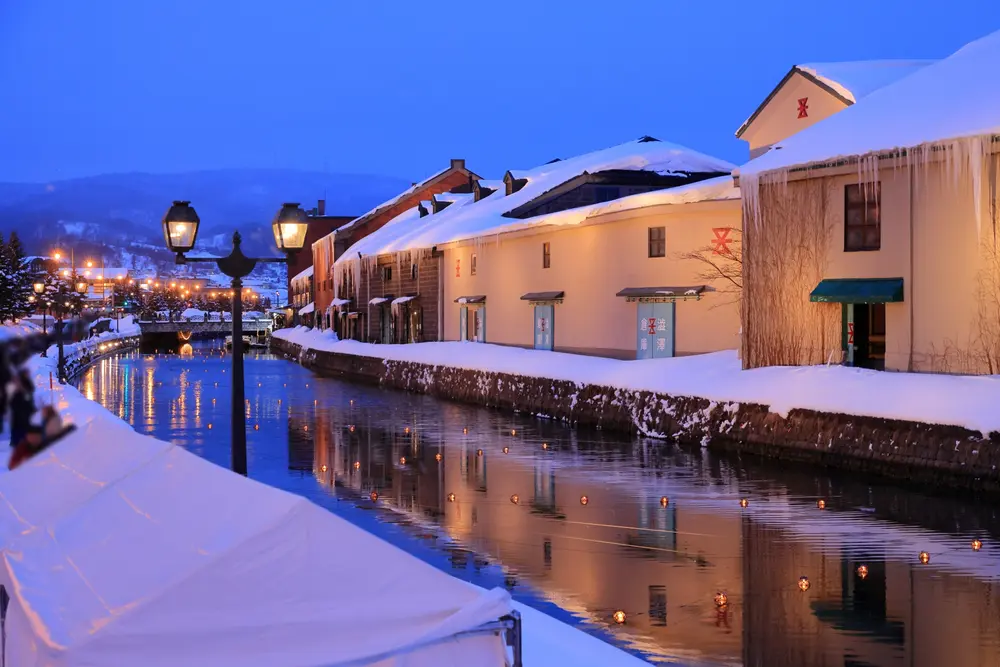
[(858, 290)]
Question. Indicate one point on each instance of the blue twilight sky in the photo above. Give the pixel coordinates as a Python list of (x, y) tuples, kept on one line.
[(397, 87)]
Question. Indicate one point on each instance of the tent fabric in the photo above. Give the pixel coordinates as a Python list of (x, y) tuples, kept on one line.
[(177, 561)]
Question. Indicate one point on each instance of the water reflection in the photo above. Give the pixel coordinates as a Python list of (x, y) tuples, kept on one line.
[(498, 500)]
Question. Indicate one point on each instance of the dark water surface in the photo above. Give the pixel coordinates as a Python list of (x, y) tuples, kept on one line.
[(498, 499)]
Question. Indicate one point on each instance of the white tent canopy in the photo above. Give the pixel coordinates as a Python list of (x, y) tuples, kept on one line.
[(122, 550)]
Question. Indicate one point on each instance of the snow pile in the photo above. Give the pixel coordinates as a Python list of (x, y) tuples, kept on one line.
[(968, 401), (546, 640), (858, 79), (19, 330), (466, 219), (944, 101), (314, 339)]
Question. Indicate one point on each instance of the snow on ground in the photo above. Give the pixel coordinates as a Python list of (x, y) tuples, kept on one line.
[(968, 401), (546, 640)]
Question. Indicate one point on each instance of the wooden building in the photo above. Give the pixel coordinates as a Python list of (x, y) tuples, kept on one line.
[(327, 249)]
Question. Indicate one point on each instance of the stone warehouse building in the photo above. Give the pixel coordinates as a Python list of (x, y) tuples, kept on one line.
[(326, 250), (608, 253), (871, 237)]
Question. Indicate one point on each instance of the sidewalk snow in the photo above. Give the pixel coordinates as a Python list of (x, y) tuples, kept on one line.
[(546, 640), (316, 339), (968, 401)]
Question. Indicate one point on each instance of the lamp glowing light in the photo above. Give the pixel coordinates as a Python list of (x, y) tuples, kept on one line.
[(664, 501), (821, 504), (744, 502), (373, 495), (322, 468), (977, 544), (451, 497), (584, 500), (619, 617), (357, 465), (438, 457), (721, 599), (515, 499), (506, 450), (803, 583), (924, 558), (402, 460), (479, 452), (862, 571)]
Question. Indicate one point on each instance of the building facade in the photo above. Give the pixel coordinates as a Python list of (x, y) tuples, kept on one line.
[(327, 249), (631, 283), (873, 242)]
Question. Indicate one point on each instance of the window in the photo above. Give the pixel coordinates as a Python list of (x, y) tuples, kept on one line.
[(657, 242), (387, 273), (472, 268), (413, 271), (546, 256), (862, 217)]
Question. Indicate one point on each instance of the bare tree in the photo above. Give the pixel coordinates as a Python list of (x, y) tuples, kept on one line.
[(721, 262)]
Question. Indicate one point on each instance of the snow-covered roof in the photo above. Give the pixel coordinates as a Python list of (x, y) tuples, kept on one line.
[(858, 79), (304, 273), (377, 301), (467, 219), (403, 299), (851, 81), (308, 308), (416, 187), (946, 100)]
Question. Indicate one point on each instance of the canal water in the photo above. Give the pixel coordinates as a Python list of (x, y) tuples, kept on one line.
[(583, 524)]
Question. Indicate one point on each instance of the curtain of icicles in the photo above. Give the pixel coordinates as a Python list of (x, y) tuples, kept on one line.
[(788, 226)]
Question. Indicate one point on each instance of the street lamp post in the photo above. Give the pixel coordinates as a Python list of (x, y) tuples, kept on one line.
[(180, 229), (39, 288)]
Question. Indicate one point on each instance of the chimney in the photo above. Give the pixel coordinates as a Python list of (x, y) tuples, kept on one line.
[(457, 164), (321, 207)]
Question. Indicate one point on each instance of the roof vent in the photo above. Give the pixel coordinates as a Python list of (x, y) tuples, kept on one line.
[(645, 139)]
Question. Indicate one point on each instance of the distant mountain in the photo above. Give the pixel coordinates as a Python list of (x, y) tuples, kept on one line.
[(123, 211)]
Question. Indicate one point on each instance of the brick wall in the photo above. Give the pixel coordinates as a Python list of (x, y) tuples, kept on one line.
[(402, 283), (324, 286)]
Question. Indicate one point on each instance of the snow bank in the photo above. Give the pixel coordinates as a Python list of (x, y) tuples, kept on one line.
[(968, 401), (546, 640), (314, 339)]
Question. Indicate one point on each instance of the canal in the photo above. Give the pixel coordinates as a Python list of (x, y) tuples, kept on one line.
[(583, 524)]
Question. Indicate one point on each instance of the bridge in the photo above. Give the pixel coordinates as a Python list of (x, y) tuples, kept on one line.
[(201, 328)]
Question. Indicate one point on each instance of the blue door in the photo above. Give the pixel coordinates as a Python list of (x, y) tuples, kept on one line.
[(480, 322), (463, 323), (655, 330), (544, 327)]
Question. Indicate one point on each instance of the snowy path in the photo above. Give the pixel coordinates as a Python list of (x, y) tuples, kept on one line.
[(968, 401)]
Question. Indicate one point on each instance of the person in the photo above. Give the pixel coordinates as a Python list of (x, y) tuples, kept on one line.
[(22, 407), (5, 378)]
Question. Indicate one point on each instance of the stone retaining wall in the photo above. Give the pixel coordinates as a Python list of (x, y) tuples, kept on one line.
[(911, 451)]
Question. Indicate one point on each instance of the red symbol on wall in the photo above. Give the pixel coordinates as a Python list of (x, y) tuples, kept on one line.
[(458, 268), (850, 333), (803, 107), (720, 244), (651, 327)]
